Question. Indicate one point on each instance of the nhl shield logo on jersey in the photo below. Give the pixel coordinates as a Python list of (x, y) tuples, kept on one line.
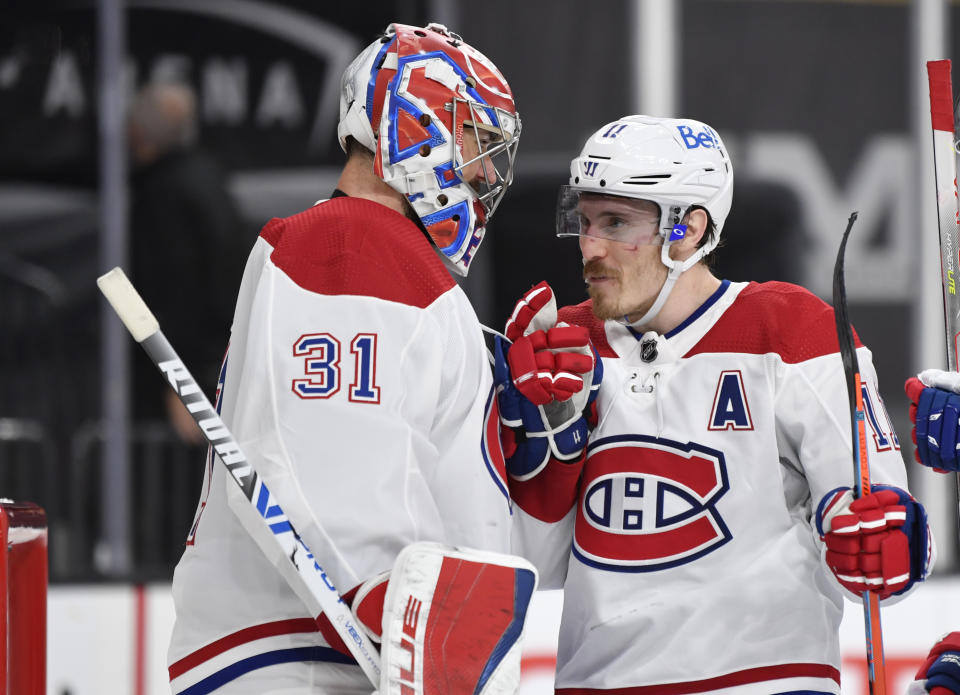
[(647, 504), (648, 350)]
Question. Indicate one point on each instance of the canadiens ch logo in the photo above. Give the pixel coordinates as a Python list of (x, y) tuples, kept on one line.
[(648, 504)]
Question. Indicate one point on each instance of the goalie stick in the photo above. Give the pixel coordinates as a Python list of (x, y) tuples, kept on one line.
[(945, 164), (876, 667), (307, 577)]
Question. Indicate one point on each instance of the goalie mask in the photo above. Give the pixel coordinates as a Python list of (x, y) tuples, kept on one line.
[(441, 122), (673, 163)]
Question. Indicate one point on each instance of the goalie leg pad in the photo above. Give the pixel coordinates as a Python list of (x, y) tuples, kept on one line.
[(367, 605), (453, 620)]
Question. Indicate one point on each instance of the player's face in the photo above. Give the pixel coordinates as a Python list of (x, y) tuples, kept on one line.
[(478, 170), (622, 277)]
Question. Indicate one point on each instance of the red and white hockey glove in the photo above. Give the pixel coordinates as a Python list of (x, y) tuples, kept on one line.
[(879, 542), (546, 380), (940, 672), (551, 365), (548, 360), (536, 311)]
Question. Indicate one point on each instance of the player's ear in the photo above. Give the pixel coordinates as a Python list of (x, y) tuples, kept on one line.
[(697, 222)]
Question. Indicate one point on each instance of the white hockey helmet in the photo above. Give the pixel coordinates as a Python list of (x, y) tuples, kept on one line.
[(411, 97), (676, 163)]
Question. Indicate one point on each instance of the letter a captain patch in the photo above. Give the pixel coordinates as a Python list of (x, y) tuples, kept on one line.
[(730, 408)]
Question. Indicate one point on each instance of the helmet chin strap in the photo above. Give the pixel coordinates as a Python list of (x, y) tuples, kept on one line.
[(676, 268), (660, 301)]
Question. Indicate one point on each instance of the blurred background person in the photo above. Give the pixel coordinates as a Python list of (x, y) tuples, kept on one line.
[(187, 246)]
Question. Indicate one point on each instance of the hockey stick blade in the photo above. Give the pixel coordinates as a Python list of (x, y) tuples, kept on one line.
[(876, 666), (848, 355), (307, 577)]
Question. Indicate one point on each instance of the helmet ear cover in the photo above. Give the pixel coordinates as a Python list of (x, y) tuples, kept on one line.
[(416, 98)]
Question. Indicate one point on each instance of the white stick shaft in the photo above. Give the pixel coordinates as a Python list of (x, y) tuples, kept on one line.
[(286, 550), (945, 163), (948, 204)]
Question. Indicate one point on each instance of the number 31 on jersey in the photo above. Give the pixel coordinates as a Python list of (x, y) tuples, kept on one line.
[(321, 355)]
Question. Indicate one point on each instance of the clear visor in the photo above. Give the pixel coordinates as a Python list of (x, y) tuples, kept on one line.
[(614, 218), (490, 139)]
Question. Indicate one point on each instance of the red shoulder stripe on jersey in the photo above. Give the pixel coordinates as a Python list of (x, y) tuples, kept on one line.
[(582, 315), (353, 246), (774, 317), (550, 494), (730, 680)]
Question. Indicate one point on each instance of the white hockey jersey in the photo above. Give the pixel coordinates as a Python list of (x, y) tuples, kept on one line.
[(357, 384), (687, 548)]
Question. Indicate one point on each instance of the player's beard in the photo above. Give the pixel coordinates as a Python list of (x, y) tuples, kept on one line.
[(606, 305), (629, 286), (411, 214)]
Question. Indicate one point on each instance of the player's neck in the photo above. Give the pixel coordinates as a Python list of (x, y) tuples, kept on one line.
[(692, 289), (358, 181)]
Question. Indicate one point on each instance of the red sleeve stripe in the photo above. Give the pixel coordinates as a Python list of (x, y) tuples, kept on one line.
[(729, 680), (290, 626), (250, 634)]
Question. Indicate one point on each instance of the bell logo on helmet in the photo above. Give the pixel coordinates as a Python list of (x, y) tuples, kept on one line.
[(705, 138)]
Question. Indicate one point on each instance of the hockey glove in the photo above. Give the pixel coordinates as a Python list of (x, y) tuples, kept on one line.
[(536, 311), (935, 414), (940, 673), (532, 433), (547, 359), (550, 365), (879, 542)]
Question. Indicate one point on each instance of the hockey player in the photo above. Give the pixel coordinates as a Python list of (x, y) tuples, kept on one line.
[(934, 414), (705, 532), (939, 674), (935, 417), (357, 384)]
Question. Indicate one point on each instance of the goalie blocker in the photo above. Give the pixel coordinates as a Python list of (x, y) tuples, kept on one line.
[(452, 620)]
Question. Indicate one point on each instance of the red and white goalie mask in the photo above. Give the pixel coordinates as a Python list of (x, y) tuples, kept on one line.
[(441, 122)]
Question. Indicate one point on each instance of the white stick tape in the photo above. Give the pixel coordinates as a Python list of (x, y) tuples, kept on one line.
[(128, 304)]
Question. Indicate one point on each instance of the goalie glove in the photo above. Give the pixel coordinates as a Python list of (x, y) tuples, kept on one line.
[(879, 542), (935, 415), (940, 672)]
